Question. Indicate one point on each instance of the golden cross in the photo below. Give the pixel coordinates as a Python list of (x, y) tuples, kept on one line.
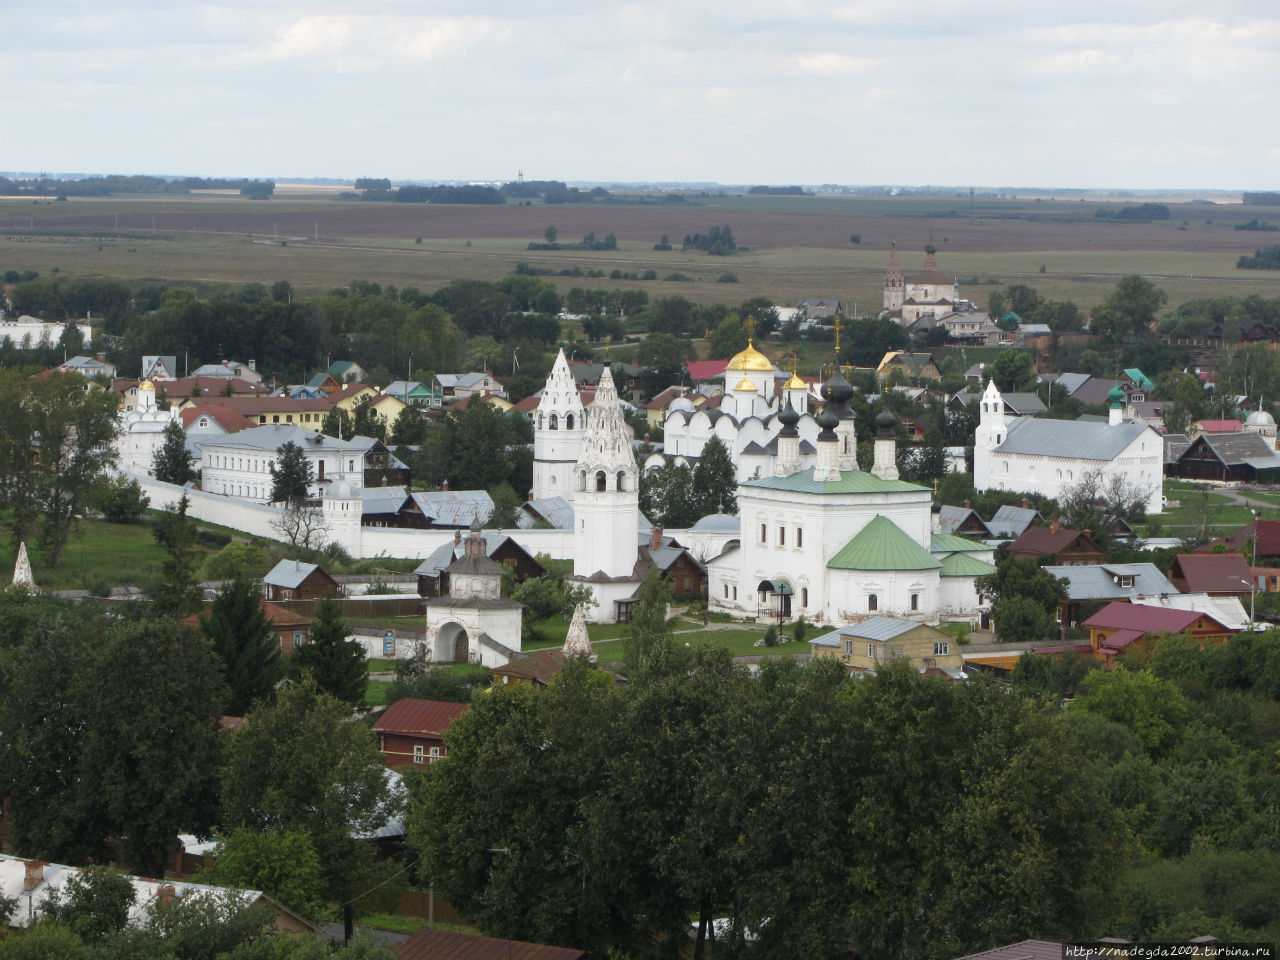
[(750, 324), (837, 338)]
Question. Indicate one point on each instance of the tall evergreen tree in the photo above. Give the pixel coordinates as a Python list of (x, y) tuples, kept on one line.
[(172, 463), (336, 663), (177, 592), (241, 636), (290, 475), (714, 480), (650, 631)]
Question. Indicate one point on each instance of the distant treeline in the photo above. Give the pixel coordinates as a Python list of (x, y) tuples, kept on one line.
[(412, 194), (1265, 259), (116, 183), (1256, 224), (1138, 213), (780, 191), (1264, 198)]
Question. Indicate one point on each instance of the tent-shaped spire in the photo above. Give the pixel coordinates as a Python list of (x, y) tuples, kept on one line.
[(577, 642), (22, 570)]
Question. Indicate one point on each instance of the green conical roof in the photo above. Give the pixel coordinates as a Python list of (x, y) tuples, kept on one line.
[(963, 565), (883, 545)]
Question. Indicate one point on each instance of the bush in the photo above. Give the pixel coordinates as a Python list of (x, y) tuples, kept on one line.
[(771, 636), (800, 630), (678, 277), (727, 278), (120, 499), (649, 275)]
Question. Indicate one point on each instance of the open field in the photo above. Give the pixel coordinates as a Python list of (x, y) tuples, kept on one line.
[(799, 246)]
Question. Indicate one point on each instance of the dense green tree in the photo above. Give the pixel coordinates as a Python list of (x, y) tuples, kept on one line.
[(172, 463), (240, 633), (176, 592), (301, 762), (663, 356), (1012, 370), (454, 683), (1129, 311), (1022, 619), (281, 863), (506, 506), (1152, 708), (120, 499), (728, 338), (1017, 577), (94, 903), (649, 634), (666, 496), (291, 475), (336, 662), (714, 480), (237, 560)]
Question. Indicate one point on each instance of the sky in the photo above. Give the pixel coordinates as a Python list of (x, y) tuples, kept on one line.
[(1127, 93)]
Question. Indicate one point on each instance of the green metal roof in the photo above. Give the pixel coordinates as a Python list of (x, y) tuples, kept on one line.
[(1138, 377), (949, 543), (882, 545), (963, 565), (851, 481)]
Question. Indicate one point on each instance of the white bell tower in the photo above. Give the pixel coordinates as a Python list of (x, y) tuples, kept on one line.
[(606, 496), (559, 425), (992, 429)]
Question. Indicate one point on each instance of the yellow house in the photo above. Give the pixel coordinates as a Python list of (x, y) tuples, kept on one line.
[(385, 405), (869, 643)]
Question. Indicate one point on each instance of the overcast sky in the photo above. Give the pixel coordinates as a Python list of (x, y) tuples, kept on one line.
[(1124, 93)]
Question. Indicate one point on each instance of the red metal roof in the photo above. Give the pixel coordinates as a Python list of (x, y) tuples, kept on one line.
[(705, 369), (1220, 426), (1144, 619), (419, 716), (1211, 573), (1043, 541), (1266, 534), (445, 945), (228, 419)]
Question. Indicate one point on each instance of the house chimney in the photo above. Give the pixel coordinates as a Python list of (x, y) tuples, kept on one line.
[(444, 485), (968, 505), (1026, 504), (1053, 527), (165, 894), (34, 875), (655, 538), (1087, 532)]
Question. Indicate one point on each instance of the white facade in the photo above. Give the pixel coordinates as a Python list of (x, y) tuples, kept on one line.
[(142, 431), (1048, 456), (607, 493), (930, 294), (559, 426), (473, 623), (27, 331), (239, 464)]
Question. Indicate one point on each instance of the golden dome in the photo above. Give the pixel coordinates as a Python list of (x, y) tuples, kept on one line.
[(750, 359), (795, 383), (146, 385), (745, 384)]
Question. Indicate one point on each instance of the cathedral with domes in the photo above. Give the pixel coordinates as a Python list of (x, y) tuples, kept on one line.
[(835, 544), (748, 419)]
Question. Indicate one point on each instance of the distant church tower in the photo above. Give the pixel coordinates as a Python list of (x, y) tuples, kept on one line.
[(606, 499), (559, 426), (342, 508), (992, 429), (894, 283)]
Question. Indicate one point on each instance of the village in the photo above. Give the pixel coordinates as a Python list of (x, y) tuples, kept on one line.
[(388, 567)]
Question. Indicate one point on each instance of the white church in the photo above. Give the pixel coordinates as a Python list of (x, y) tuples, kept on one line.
[(837, 545), (747, 421), (1048, 456), (929, 295)]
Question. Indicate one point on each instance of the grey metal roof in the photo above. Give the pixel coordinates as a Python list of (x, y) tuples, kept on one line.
[(1242, 448), (1025, 404), (383, 499), (951, 517), (1076, 438), (402, 388), (1071, 382), (1101, 582), (438, 559), (718, 523), (457, 508), (1175, 445), (555, 510), (289, 574), (1012, 521), (879, 629), (456, 380)]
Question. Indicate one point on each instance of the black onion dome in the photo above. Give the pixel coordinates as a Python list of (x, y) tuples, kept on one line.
[(885, 422), (828, 421), (789, 416), (838, 388)]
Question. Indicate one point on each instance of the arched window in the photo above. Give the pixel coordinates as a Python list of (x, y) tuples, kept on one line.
[(582, 480), (915, 601), (622, 480), (600, 481), (554, 421), (873, 603), (539, 421), (568, 421), (1006, 466), (804, 596)]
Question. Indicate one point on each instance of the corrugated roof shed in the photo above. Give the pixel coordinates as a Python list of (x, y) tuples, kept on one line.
[(411, 715)]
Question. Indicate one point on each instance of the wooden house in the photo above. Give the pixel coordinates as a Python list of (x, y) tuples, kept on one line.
[(1070, 547), (411, 731), (295, 580)]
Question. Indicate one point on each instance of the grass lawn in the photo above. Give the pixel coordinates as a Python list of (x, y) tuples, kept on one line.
[(100, 554), (375, 692)]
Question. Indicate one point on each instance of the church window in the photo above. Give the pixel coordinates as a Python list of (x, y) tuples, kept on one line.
[(1006, 466), (553, 479), (735, 593), (622, 480), (568, 421), (782, 536), (540, 420), (804, 596), (873, 602), (601, 481), (915, 601), (799, 537), (942, 648), (764, 533), (554, 422), (726, 591)]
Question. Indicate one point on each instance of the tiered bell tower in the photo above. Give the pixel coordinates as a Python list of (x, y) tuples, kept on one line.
[(606, 495), (895, 286), (559, 426)]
